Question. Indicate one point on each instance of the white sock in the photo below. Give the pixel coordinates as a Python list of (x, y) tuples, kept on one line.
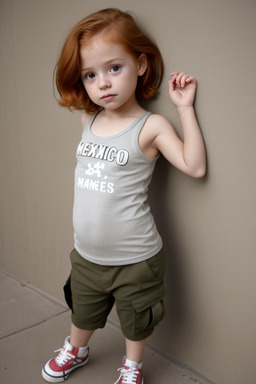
[(132, 364), (82, 351)]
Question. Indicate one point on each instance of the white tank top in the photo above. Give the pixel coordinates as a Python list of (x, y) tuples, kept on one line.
[(111, 217)]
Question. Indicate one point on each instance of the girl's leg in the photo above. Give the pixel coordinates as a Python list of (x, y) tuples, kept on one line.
[(79, 337), (135, 349)]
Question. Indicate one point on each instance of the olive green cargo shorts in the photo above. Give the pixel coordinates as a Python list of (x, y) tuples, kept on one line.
[(137, 290)]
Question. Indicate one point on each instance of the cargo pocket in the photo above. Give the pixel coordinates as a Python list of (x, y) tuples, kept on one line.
[(148, 312), (68, 293)]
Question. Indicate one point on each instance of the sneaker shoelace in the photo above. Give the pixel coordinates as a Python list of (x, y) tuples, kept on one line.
[(128, 376), (63, 357)]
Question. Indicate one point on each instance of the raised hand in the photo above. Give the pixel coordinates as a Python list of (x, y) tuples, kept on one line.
[(182, 88)]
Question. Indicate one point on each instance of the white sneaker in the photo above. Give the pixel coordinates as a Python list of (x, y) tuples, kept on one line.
[(131, 373), (69, 358)]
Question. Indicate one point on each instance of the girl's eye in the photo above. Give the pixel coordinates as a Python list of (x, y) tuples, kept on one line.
[(89, 76), (115, 68)]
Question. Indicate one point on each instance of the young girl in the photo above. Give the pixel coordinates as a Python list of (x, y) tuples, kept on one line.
[(106, 66)]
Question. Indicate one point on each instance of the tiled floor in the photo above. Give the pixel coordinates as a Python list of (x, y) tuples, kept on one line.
[(33, 325)]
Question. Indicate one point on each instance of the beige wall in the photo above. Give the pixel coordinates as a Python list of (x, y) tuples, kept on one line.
[(208, 225)]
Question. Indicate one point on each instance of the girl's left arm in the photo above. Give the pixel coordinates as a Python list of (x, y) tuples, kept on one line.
[(188, 155)]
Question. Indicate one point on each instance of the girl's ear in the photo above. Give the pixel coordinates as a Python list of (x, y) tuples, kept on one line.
[(143, 63)]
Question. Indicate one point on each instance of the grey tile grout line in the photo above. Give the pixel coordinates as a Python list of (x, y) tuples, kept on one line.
[(33, 325), (34, 289)]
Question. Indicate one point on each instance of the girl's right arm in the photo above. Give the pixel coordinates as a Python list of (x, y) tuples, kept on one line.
[(189, 155)]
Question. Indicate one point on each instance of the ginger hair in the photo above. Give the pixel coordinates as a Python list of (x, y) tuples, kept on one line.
[(115, 26)]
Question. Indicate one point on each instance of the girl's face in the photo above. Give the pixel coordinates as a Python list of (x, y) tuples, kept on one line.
[(110, 74)]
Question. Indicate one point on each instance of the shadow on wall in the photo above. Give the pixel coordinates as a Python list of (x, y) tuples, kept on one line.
[(175, 279)]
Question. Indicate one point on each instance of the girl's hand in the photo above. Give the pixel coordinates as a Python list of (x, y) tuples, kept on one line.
[(182, 89)]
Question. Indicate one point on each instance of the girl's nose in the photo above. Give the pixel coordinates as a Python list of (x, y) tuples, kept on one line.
[(104, 82)]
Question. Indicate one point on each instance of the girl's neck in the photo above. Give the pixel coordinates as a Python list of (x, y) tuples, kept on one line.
[(112, 122), (125, 111)]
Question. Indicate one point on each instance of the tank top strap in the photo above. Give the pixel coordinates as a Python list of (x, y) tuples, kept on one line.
[(87, 128), (139, 122)]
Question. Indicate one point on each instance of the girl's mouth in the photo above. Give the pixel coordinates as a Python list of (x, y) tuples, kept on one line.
[(108, 97)]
